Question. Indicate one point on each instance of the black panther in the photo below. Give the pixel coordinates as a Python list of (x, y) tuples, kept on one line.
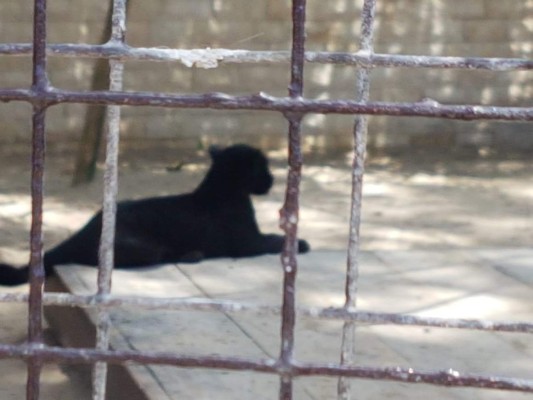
[(215, 220)]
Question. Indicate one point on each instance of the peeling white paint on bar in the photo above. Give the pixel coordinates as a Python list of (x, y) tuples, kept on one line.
[(212, 57), (210, 305), (360, 130), (109, 206)]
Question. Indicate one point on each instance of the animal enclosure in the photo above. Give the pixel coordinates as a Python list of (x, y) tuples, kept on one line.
[(42, 96)]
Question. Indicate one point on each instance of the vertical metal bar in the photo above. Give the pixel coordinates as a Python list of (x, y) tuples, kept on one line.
[(290, 211), (106, 253), (358, 167), (36, 271)]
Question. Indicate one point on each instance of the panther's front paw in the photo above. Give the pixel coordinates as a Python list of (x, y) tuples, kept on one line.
[(192, 257), (303, 246)]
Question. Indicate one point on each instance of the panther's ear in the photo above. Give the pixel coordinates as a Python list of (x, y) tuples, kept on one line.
[(214, 151)]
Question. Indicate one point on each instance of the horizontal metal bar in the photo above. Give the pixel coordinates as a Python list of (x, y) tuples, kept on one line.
[(406, 319), (295, 369), (448, 377), (262, 101), (210, 58), (202, 304)]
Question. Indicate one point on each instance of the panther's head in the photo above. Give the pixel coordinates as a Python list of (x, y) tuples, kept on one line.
[(242, 167)]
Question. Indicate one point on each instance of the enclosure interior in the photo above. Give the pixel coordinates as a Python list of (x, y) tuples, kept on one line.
[(295, 109)]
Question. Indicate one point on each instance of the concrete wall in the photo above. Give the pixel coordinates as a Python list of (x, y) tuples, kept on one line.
[(485, 28)]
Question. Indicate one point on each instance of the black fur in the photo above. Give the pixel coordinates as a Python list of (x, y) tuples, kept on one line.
[(216, 220)]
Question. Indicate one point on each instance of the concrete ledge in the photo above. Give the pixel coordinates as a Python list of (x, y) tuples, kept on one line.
[(487, 284)]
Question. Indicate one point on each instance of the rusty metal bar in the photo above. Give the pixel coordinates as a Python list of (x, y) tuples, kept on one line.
[(290, 210), (398, 374), (211, 58), (359, 154), (226, 306), (36, 270), (358, 168), (109, 209), (262, 101)]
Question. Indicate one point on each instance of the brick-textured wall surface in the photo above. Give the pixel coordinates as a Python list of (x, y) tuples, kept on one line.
[(485, 28)]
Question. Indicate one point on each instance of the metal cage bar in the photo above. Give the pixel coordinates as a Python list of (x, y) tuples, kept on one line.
[(210, 305), (396, 374), (210, 58), (263, 101), (109, 209), (294, 107), (36, 270), (358, 167), (290, 211)]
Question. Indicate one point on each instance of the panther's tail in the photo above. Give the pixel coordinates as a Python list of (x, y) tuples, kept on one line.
[(12, 276), (67, 252)]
